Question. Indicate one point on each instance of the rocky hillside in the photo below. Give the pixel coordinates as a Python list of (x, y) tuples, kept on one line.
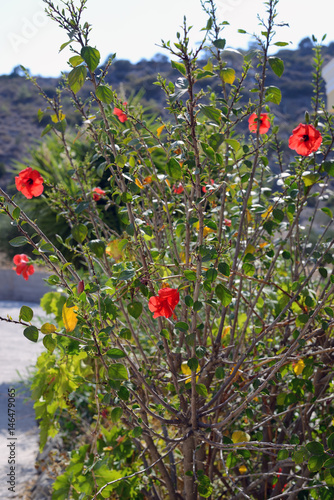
[(20, 101)]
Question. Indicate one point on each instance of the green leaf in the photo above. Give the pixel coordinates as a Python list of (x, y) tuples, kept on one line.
[(212, 113), (278, 214), (323, 272), (130, 229), (200, 351), (224, 268), (104, 93), (327, 211), (79, 232), (328, 166), (135, 309), (190, 275), (127, 274), (174, 169), (49, 343), (220, 373), (26, 314), (215, 140), (248, 269), (116, 414), (123, 393), (283, 454), (281, 44), (234, 144), (193, 364), (273, 94), (276, 65), (310, 179), (220, 43), (179, 66), (97, 247), (315, 448), (329, 464), (211, 274), (117, 371), (16, 213), (63, 45), (299, 456), (330, 442), (201, 390), (115, 353), (181, 325), (208, 151), (91, 57), (223, 294), (315, 463), (31, 333), (77, 77), (75, 61), (19, 241)]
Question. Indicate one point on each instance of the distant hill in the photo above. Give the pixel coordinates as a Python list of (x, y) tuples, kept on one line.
[(19, 99)]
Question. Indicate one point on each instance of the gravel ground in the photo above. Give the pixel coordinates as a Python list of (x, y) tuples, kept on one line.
[(17, 357)]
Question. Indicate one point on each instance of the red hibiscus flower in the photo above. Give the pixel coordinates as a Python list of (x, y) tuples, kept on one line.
[(165, 303), (120, 114), (22, 267), (305, 139), (264, 123), (227, 222), (98, 193), (178, 189), (29, 182), (209, 187)]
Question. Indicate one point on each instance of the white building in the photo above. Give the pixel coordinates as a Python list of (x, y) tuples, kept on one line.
[(328, 75)]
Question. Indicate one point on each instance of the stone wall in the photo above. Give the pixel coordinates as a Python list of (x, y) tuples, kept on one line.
[(14, 287)]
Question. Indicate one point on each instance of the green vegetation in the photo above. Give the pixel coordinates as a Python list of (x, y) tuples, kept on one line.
[(189, 353)]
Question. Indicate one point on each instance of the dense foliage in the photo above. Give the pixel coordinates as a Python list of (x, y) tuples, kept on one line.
[(191, 349)]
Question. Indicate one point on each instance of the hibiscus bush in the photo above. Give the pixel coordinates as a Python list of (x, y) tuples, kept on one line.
[(192, 348)]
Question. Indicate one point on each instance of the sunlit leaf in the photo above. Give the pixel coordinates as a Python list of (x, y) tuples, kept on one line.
[(159, 130), (48, 328), (240, 437), (299, 367), (70, 318)]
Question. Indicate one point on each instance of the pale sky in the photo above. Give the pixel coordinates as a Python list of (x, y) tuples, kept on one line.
[(134, 28)]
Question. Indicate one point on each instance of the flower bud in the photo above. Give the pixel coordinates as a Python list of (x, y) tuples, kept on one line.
[(80, 287)]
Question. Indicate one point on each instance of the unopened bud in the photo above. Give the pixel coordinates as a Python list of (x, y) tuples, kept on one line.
[(80, 287)]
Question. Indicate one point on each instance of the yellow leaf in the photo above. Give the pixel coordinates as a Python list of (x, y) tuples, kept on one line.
[(159, 130), (226, 331), (250, 249), (186, 371), (48, 328), (240, 437), (299, 367), (267, 212), (242, 469), (139, 184), (185, 368), (70, 318), (248, 215), (264, 244), (206, 230), (167, 182), (114, 250), (58, 118), (228, 75)]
